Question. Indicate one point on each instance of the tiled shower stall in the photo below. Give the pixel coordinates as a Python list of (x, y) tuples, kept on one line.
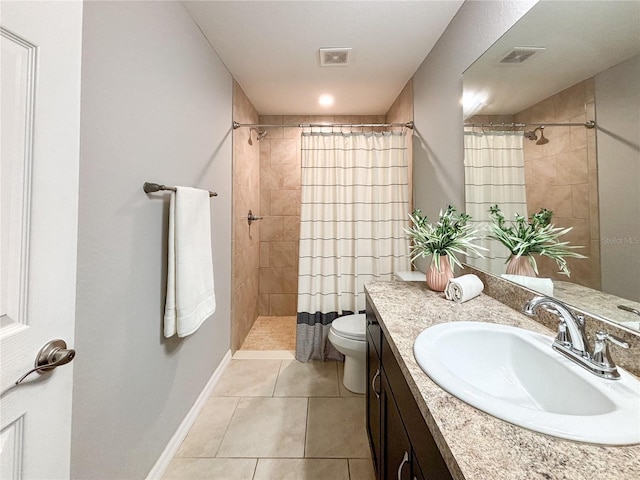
[(266, 180)]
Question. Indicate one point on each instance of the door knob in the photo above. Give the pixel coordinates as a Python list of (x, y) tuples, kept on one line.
[(51, 355)]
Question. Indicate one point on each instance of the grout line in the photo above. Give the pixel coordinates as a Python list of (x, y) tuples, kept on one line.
[(226, 430)]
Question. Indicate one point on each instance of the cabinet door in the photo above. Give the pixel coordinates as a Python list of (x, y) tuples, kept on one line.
[(373, 402), (396, 460), (416, 470)]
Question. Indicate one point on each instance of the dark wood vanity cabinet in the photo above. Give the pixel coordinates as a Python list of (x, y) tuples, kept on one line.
[(401, 444)]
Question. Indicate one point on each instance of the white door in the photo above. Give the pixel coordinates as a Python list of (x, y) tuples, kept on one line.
[(40, 103)]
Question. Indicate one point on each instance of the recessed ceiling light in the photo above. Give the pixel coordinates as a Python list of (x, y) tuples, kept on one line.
[(325, 100)]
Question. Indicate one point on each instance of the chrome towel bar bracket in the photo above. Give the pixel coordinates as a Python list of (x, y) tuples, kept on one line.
[(149, 187)]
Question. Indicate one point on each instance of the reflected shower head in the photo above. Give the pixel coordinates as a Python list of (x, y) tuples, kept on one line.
[(262, 134), (542, 140), (531, 135)]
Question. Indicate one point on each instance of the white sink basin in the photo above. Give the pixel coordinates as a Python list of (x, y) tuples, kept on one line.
[(515, 375)]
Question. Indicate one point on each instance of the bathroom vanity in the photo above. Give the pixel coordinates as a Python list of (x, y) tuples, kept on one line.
[(419, 431)]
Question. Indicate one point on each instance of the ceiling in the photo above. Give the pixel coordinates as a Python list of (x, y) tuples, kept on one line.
[(272, 49), (581, 39)]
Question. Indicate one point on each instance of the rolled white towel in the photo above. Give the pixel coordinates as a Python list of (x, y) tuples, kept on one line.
[(540, 285), (463, 288)]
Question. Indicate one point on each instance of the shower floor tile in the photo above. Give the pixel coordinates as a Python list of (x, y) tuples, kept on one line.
[(272, 333)]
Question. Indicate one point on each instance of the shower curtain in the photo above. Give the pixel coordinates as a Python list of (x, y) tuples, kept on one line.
[(355, 203), (494, 174)]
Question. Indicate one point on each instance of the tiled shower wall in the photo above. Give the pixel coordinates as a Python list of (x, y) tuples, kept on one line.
[(246, 196), (280, 172), (562, 176)]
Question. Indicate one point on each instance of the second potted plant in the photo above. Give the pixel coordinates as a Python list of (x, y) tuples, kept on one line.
[(524, 239)]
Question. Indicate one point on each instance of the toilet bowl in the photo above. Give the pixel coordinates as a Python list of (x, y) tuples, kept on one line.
[(348, 335)]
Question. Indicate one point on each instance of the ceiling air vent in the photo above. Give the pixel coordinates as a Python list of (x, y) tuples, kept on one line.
[(334, 57), (519, 55)]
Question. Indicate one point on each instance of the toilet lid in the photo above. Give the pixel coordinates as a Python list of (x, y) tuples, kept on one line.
[(351, 326)]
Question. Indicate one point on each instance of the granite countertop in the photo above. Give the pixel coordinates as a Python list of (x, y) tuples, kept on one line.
[(475, 445)]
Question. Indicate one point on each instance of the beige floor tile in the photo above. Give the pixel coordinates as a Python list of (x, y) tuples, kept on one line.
[(361, 469), (248, 378), (301, 469), (344, 391), (311, 379), (207, 431), (210, 469), (266, 427), (336, 428)]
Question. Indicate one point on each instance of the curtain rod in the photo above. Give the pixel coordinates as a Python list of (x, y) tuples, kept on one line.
[(588, 124), (312, 125)]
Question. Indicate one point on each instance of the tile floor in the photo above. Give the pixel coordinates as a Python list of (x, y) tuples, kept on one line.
[(274, 419)]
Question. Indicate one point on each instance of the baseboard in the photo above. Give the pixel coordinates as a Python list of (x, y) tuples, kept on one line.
[(172, 447)]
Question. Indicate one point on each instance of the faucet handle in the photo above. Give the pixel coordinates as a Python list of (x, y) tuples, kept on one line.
[(562, 336), (602, 336), (601, 354)]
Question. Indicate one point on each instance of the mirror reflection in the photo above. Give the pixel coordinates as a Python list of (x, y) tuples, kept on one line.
[(552, 120)]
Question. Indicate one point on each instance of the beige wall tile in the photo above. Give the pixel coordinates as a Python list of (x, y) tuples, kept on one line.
[(290, 279), (283, 304), (291, 228), (573, 168), (285, 202), (283, 254), (271, 280), (272, 229), (543, 171), (263, 304), (580, 200), (283, 151)]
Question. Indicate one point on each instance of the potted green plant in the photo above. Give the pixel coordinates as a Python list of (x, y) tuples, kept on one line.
[(524, 239), (450, 236)]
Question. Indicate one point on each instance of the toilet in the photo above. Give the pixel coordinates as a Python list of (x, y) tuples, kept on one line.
[(348, 335)]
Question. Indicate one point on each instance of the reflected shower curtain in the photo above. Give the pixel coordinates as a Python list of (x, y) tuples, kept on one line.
[(494, 174), (355, 203)]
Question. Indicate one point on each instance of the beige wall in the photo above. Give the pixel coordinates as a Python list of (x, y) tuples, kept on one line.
[(246, 239), (562, 176)]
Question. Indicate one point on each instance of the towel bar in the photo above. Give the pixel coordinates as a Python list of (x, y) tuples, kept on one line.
[(149, 187)]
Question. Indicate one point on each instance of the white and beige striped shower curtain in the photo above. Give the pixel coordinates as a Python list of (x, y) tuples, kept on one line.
[(355, 202), (494, 174)]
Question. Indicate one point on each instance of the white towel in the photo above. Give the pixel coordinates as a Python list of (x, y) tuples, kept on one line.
[(463, 288), (540, 285), (190, 294)]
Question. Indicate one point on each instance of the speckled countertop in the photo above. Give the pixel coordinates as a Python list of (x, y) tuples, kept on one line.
[(475, 445)]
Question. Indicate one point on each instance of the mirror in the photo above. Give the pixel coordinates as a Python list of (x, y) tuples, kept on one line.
[(570, 62)]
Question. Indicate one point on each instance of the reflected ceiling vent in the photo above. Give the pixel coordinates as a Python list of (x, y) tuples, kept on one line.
[(335, 57), (520, 55)]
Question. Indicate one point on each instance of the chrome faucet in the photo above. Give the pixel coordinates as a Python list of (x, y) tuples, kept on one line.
[(571, 340)]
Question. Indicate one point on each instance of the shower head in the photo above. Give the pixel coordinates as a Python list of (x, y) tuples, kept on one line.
[(261, 134), (542, 140)]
